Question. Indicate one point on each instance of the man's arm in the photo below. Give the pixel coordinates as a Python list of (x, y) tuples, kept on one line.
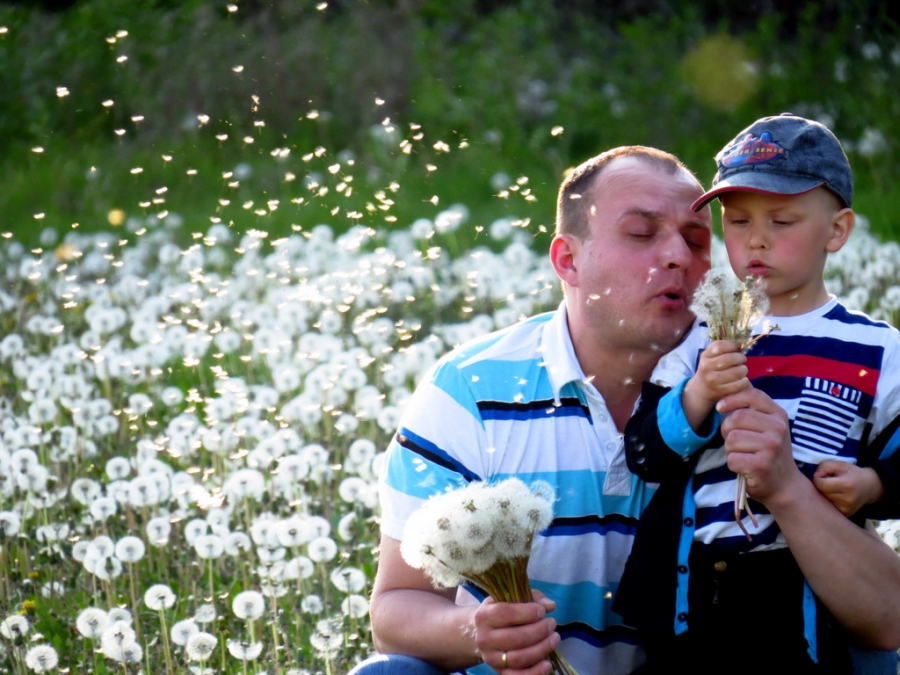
[(409, 616), (853, 572)]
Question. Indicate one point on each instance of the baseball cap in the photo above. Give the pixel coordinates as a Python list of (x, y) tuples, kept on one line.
[(783, 155)]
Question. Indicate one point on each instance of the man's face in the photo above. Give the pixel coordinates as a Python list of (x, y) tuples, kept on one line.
[(636, 273)]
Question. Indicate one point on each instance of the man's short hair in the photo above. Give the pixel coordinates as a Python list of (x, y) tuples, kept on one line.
[(572, 215)]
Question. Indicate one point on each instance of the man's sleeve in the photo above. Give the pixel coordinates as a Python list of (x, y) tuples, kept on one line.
[(886, 462), (881, 442), (438, 447)]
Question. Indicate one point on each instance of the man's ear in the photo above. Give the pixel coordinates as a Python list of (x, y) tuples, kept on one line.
[(842, 223), (563, 251)]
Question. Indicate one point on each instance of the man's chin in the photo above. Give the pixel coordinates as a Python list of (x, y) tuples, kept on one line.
[(671, 335)]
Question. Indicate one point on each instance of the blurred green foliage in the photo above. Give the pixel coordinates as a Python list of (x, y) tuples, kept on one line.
[(281, 114)]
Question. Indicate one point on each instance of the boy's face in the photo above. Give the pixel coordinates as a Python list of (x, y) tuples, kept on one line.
[(785, 239)]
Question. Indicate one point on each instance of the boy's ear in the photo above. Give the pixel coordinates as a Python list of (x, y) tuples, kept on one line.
[(842, 223)]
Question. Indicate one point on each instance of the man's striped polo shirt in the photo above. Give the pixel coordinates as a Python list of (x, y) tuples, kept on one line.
[(515, 403)]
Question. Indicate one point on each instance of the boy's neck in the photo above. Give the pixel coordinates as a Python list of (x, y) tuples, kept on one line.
[(798, 303)]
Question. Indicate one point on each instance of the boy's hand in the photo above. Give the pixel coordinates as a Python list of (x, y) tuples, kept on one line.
[(847, 486), (722, 371)]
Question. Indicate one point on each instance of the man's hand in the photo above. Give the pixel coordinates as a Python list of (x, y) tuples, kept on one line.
[(410, 617), (722, 370), (847, 486), (522, 631), (758, 444)]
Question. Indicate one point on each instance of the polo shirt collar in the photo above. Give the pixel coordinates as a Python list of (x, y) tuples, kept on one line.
[(559, 353)]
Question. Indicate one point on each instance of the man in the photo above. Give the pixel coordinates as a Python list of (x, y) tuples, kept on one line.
[(548, 399)]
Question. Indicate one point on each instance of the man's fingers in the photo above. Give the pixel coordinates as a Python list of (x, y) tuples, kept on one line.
[(521, 637), (548, 604), (751, 398), (522, 631), (532, 659), (502, 614)]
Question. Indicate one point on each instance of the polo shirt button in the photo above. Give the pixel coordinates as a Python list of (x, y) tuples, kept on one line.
[(682, 569), (689, 522), (683, 616)]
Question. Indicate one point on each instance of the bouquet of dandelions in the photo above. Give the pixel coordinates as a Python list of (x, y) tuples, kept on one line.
[(482, 534), (731, 309)]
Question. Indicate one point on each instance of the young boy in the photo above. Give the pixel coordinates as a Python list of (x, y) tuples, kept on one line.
[(705, 596)]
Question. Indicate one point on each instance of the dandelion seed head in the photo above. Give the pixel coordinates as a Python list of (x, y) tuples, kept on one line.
[(244, 651), (355, 606), (183, 630), (91, 622), (205, 613), (200, 646), (14, 627), (159, 597), (41, 658), (248, 605)]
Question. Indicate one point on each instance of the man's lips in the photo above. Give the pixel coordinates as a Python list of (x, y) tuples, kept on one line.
[(672, 297)]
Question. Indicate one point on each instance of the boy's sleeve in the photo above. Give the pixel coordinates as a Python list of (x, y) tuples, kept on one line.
[(658, 437)]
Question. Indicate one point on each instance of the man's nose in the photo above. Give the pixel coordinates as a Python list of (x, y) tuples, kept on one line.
[(677, 254)]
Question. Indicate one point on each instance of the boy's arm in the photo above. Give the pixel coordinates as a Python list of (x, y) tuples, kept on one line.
[(849, 487), (658, 438), (670, 425), (721, 370)]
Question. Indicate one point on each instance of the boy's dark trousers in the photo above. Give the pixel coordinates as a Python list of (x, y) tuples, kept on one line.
[(746, 616)]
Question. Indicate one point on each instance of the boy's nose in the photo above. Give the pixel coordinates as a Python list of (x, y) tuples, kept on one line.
[(757, 238)]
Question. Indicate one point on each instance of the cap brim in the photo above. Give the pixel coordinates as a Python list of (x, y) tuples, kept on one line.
[(763, 183)]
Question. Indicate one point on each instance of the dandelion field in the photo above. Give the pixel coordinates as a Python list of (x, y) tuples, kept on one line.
[(193, 408), (191, 434)]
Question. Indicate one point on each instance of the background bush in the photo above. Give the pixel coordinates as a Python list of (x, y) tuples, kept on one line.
[(104, 88)]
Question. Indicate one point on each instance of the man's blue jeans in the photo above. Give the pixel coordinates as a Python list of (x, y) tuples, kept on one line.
[(395, 664), (865, 662)]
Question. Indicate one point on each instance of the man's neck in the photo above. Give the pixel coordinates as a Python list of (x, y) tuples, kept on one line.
[(618, 378)]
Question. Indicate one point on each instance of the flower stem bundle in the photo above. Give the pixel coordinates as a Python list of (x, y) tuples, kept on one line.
[(731, 309), (482, 534)]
